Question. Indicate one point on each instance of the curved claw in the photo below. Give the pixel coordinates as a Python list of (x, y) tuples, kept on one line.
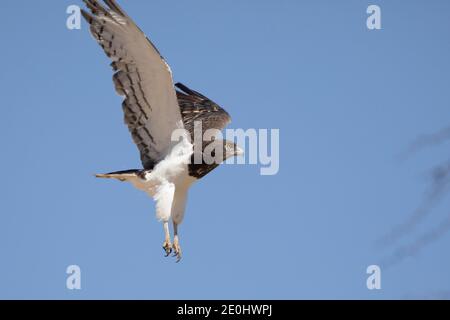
[(167, 248), (177, 252)]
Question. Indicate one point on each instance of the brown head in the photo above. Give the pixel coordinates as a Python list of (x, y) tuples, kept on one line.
[(213, 153)]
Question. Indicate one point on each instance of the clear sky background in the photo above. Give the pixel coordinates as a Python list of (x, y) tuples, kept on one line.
[(348, 102)]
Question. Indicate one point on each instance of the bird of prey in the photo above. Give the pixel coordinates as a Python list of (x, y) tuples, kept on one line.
[(155, 108)]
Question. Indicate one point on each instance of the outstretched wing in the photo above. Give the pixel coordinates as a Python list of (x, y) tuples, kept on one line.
[(196, 107), (142, 76)]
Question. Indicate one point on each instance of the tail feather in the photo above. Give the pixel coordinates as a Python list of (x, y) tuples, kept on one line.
[(120, 175)]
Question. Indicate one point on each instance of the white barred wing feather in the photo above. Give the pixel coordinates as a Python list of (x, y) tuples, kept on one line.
[(141, 75)]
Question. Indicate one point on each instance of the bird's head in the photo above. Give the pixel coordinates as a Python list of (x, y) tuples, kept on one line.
[(213, 153), (218, 151)]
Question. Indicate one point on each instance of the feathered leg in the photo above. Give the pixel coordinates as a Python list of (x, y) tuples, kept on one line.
[(164, 198)]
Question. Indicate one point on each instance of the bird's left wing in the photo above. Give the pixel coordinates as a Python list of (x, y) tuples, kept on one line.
[(142, 76), (195, 107)]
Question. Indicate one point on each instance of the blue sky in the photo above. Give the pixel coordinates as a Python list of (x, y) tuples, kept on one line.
[(347, 102)]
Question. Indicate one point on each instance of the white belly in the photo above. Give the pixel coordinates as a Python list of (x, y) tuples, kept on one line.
[(168, 183)]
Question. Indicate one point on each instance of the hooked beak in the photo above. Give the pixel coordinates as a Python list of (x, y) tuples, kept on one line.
[(239, 151)]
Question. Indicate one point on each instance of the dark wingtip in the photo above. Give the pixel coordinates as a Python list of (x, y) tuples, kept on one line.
[(189, 91), (182, 87), (112, 4), (87, 16)]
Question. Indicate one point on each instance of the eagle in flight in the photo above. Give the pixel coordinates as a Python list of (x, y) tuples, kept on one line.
[(154, 110)]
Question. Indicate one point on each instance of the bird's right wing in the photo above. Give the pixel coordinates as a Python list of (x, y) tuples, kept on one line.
[(142, 76)]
